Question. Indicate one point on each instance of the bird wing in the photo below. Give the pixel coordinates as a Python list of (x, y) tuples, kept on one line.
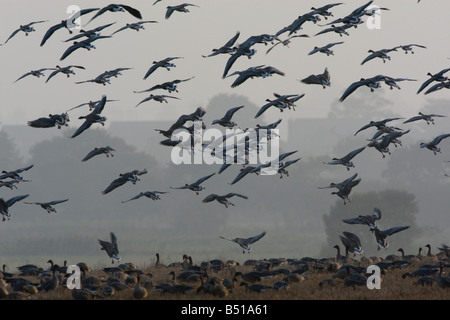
[(232, 194), (121, 29), (357, 220), (231, 60), (288, 163), (210, 198), (439, 138), (15, 199), (51, 203), (84, 126), (312, 79), (71, 49), (115, 184), (135, 197), (370, 57), (114, 242), (50, 32), (170, 10), (106, 246), (91, 154), (12, 35), (24, 169), (412, 119), (256, 238), (134, 12), (242, 174), (351, 89), (353, 153), (230, 112), (232, 41), (42, 123), (199, 181), (393, 230)]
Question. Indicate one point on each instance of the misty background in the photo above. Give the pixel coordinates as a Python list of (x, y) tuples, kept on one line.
[(409, 186)]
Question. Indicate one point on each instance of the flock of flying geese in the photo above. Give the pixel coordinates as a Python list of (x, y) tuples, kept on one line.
[(384, 137)]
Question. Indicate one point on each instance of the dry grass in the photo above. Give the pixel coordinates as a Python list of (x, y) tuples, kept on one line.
[(393, 287)]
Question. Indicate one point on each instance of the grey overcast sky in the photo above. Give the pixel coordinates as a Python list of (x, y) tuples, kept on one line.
[(205, 27)]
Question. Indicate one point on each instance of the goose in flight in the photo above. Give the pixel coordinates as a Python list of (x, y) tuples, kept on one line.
[(91, 104), (154, 195), (281, 102), (67, 70), (438, 86), (225, 121), (252, 72), (381, 235), (124, 178), (89, 33), (27, 28), (37, 73), (379, 124), (372, 83), (409, 47), (340, 30), (157, 97), (325, 49), (85, 44), (91, 118), (195, 186), (134, 26), (428, 118), (383, 145), (382, 54), (246, 242), (164, 63), (370, 219), (287, 41), (170, 86), (179, 8), (48, 206), (223, 199), (346, 160), (432, 145), (5, 205), (439, 77), (227, 48), (69, 24), (15, 174), (53, 120), (322, 79), (111, 247), (297, 24), (118, 8), (194, 117), (242, 173), (352, 243), (324, 10), (392, 82), (354, 17), (344, 187), (97, 151)]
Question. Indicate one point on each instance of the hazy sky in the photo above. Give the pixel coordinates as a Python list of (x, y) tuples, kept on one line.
[(205, 27)]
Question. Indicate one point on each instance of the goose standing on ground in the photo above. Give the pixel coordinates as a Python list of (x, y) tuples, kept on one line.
[(225, 121), (27, 28), (118, 8), (223, 199), (370, 219), (134, 26), (346, 160), (432, 145), (154, 195), (48, 205), (124, 178), (428, 118), (111, 248), (65, 70), (439, 77), (91, 118), (195, 186), (53, 120), (157, 97), (164, 63), (325, 49), (37, 73), (69, 24), (322, 79), (381, 235), (5, 205), (179, 8), (97, 151), (246, 242), (227, 48)]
